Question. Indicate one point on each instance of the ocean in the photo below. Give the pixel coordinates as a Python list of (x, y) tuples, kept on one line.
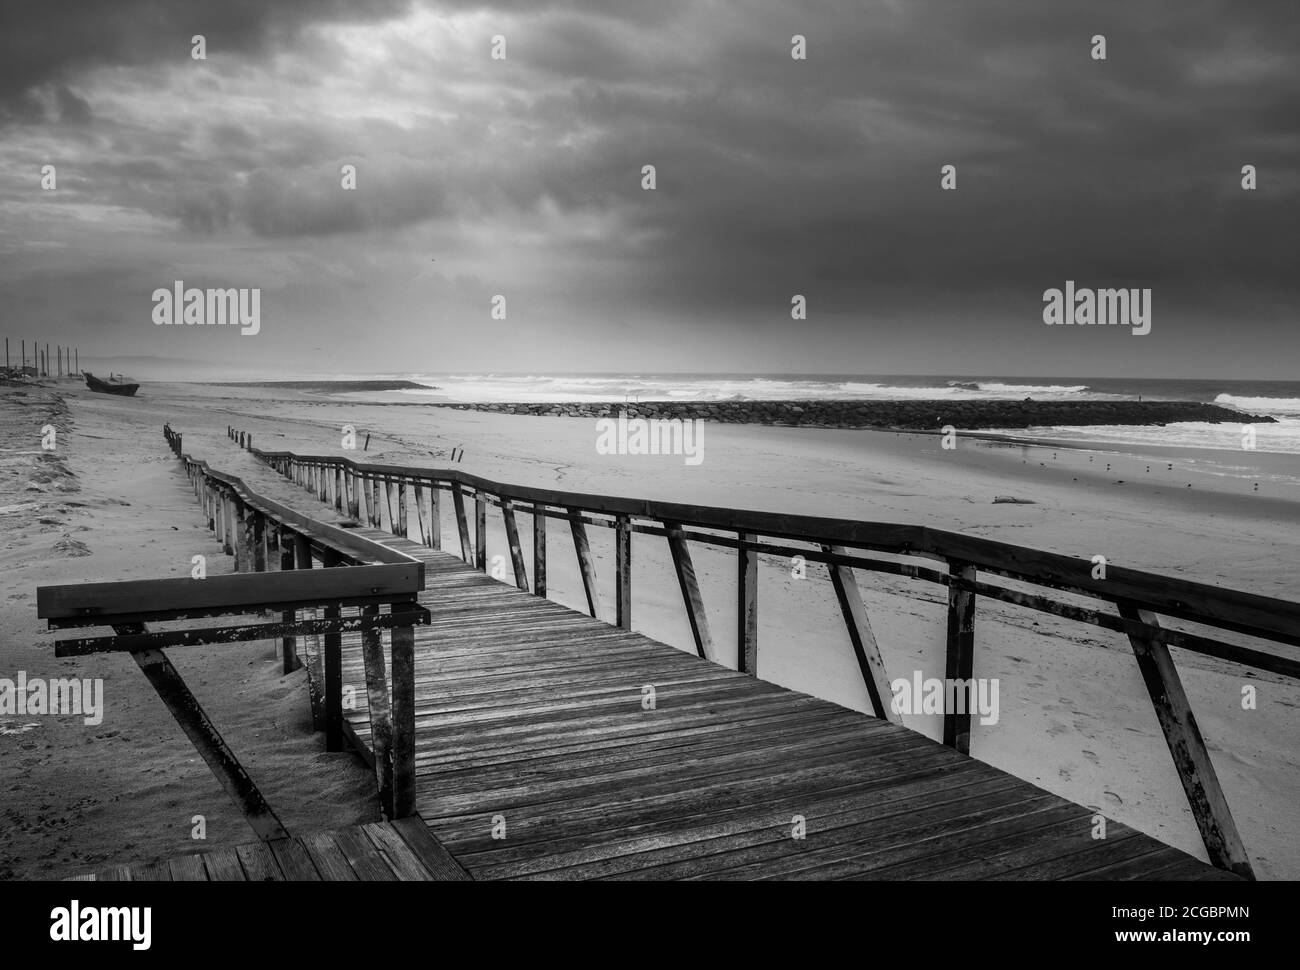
[(1277, 399)]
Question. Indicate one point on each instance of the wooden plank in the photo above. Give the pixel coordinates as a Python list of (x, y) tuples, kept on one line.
[(259, 862), (747, 608), (623, 572), (1195, 770), (435, 858), (257, 540), (586, 563), (187, 868), (113, 873), (92, 604), (329, 859), (516, 551), (865, 649), (690, 587), (152, 872), (960, 659), (294, 861), (401, 508), (365, 859), (222, 865), (539, 552), (405, 864)]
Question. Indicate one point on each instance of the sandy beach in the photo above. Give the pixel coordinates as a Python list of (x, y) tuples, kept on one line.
[(1074, 719)]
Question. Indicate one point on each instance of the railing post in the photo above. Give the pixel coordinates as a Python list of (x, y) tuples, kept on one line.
[(1183, 736), (539, 549), (690, 587), (623, 571), (401, 509), (403, 651), (315, 688), (960, 665), (747, 607), (381, 715), (332, 669), (512, 537), (480, 529), (586, 565), (435, 515), (865, 648), (462, 523), (257, 539), (288, 644)]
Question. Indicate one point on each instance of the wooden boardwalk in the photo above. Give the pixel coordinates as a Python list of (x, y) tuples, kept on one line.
[(403, 851), (531, 724), (539, 757)]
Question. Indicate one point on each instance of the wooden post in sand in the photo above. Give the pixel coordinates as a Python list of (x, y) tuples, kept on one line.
[(539, 550), (623, 571), (586, 565), (960, 663), (332, 668), (686, 579), (747, 607), (1195, 770), (863, 639)]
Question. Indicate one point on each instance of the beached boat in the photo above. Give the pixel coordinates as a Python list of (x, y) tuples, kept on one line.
[(111, 386)]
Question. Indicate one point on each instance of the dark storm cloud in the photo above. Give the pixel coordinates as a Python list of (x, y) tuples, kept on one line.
[(774, 176)]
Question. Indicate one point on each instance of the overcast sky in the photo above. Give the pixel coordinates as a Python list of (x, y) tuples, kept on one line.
[(522, 177)]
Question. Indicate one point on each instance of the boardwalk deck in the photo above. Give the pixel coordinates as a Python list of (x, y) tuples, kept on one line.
[(403, 851), (537, 759), (531, 714)]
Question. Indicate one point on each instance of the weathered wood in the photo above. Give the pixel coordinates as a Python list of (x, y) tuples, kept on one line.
[(332, 668), (863, 639), (288, 644), (354, 499), (960, 659), (586, 563), (401, 508), (381, 723), (480, 530), (419, 514), (185, 597), (539, 552), (690, 587), (623, 572), (747, 608), (340, 489), (435, 517), (462, 525), (403, 714), (207, 740), (1195, 769), (512, 537), (257, 540), (315, 686)]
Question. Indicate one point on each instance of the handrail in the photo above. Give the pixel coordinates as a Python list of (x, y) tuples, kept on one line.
[(1138, 597)]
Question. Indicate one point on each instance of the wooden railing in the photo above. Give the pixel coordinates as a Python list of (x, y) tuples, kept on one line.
[(254, 529), (969, 567)]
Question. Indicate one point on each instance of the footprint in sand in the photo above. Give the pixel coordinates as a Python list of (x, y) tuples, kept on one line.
[(1066, 774), (1092, 757), (1057, 729), (1113, 798)]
